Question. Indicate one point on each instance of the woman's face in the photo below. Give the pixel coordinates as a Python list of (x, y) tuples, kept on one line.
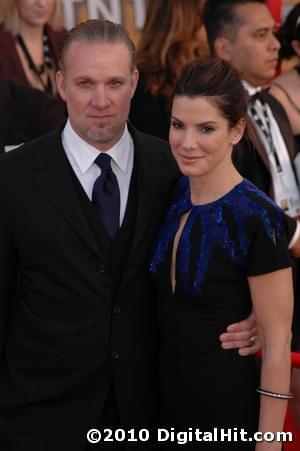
[(35, 12), (201, 35), (200, 137)]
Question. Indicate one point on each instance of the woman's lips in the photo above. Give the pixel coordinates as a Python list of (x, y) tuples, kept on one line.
[(190, 159)]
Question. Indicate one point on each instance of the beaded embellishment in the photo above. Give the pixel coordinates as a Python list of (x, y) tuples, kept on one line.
[(236, 207)]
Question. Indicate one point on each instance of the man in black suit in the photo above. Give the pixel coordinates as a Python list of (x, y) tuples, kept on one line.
[(78, 345), (241, 33), (26, 113)]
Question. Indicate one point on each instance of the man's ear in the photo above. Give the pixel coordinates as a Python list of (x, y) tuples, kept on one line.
[(134, 81), (60, 84), (223, 49)]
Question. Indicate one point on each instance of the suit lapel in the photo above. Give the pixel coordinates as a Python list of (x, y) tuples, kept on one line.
[(53, 177), (149, 185), (284, 127), (146, 195), (283, 124), (5, 112), (257, 142)]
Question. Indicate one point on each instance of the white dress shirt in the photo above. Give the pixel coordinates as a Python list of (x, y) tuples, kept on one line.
[(286, 190), (82, 155)]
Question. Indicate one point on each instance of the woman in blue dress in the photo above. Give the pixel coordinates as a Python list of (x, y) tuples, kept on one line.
[(220, 253)]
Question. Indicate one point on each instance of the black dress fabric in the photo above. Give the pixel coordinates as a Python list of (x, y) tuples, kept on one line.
[(201, 385)]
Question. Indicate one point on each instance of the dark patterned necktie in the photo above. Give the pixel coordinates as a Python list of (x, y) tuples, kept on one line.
[(258, 95), (264, 126), (106, 195)]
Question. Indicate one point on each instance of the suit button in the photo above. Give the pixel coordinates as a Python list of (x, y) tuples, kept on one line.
[(117, 310), (115, 355), (101, 268)]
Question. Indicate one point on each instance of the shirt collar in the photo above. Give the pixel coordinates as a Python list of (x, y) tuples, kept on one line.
[(251, 90), (84, 154)]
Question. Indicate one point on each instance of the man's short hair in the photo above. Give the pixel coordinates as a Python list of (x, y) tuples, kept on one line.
[(221, 20), (97, 31)]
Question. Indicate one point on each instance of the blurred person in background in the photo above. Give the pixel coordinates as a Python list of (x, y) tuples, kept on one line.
[(173, 35), (286, 88), (25, 113), (31, 34)]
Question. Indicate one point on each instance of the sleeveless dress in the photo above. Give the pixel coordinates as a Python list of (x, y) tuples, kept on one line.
[(201, 385)]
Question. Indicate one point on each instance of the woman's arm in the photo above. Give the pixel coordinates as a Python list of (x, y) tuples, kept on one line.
[(272, 297)]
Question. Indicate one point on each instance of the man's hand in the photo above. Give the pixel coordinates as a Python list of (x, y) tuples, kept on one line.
[(295, 250), (242, 335)]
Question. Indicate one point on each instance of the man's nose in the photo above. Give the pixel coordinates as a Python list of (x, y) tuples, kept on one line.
[(274, 44), (100, 97)]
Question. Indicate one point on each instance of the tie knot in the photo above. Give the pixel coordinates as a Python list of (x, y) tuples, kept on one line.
[(103, 161), (259, 95)]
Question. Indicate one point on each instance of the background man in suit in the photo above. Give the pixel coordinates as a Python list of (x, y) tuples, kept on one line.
[(78, 345), (241, 33)]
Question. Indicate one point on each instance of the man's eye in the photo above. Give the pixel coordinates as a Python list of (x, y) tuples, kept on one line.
[(115, 83), (261, 35), (84, 83)]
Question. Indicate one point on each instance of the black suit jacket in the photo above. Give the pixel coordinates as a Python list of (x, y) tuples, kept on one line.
[(26, 113), (283, 123), (65, 330)]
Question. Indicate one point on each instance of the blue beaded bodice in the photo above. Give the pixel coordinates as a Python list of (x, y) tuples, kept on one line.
[(221, 225)]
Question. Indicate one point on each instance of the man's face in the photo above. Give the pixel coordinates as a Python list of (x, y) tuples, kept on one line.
[(254, 50), (97, 86)]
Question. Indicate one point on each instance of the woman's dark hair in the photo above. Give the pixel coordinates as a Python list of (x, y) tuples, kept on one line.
[(218, 81), (289, 31)]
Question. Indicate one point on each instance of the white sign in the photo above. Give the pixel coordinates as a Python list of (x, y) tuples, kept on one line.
[(106, 9)]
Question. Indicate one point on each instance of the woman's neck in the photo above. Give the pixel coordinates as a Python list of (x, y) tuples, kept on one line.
[(212, 186), (31, 33)]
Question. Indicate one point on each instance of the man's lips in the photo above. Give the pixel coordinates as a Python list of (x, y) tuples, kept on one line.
[(272, 61), (100, 117)]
